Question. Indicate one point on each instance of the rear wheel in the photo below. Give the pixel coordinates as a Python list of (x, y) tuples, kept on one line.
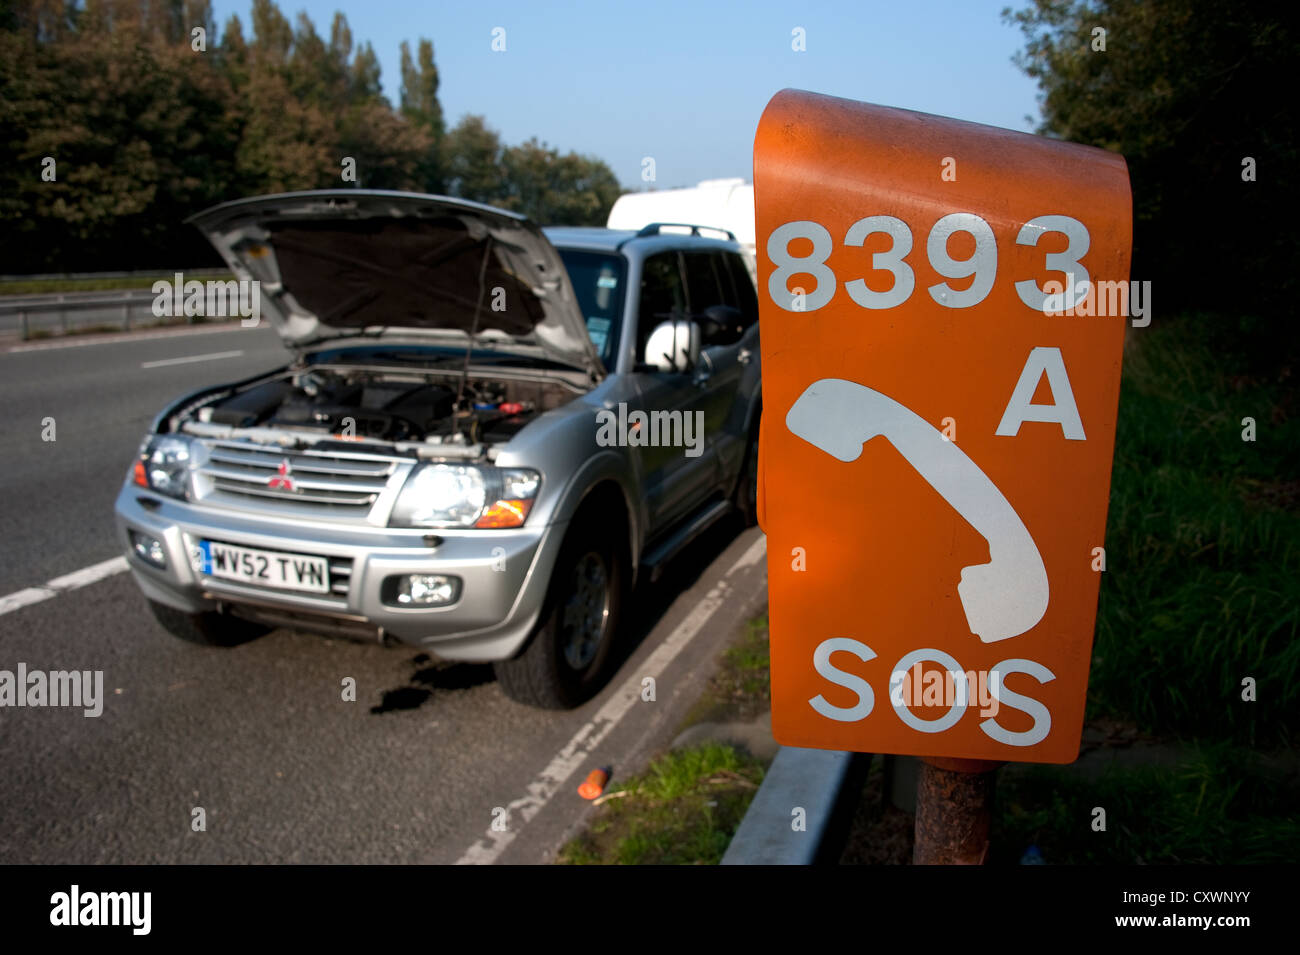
[(209, 629), (566, 661)]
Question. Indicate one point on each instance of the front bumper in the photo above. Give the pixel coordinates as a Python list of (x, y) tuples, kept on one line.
[(504, 574)]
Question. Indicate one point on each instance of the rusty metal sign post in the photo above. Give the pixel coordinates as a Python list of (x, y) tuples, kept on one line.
[(954, 811)]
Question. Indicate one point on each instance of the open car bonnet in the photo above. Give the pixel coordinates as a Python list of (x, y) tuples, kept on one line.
[(351, 262)]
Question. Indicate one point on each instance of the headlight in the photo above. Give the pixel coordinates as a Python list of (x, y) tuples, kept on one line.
[(165, 465), (465, 495)]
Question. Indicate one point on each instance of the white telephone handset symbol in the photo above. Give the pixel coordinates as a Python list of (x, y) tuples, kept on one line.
[(1003, 598)]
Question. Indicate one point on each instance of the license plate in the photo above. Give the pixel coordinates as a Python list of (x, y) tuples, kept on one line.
[(266, 568)]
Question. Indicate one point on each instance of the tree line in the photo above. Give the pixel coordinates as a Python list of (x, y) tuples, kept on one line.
[(1197, 97), (119, 118)]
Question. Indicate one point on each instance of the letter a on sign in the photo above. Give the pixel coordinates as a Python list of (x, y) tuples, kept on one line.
[(892, 300)]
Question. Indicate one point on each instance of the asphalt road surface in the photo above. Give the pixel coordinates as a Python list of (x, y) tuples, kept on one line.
[(259, 737)]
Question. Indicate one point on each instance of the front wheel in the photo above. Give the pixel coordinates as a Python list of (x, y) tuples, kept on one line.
[(209, 629), (565, 661)]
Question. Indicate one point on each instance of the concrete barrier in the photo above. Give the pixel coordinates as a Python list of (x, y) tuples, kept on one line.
[(825, 785)]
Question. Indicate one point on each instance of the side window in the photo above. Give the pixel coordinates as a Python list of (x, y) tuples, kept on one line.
[(711, 281), (702, 286), (662, 296), (746, 298)]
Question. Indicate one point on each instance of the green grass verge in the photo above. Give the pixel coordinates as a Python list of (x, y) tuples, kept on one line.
[(102, 329), (1218, 806), (1202, 584), (95, 284), (741, 689), (683, 810), (38, 334)]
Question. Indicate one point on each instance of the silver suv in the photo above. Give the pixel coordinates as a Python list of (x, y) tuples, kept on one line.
[(486, 433)]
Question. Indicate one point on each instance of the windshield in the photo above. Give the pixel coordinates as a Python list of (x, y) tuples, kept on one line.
[(597, 280)]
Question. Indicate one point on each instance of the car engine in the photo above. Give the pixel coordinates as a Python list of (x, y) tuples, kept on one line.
[(389, 407)]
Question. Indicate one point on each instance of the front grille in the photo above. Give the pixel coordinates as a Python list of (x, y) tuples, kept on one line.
[(340, 576), (330, 484)]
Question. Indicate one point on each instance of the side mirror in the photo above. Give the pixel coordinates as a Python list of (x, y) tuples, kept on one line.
[(721, 324), (673, 346)]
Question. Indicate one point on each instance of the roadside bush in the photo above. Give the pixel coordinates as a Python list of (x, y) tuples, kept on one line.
[(1202, 584)]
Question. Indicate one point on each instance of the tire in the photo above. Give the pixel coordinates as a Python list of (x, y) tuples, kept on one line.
[(209, 629), (746, 497), (565, 661)]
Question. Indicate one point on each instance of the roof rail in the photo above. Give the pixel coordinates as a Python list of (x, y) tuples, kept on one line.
[(654, 228)]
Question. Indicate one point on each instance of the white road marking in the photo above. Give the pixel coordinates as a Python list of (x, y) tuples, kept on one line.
[(122, 339), (210, 356), (578, 749), (72, 581), (22, 598)]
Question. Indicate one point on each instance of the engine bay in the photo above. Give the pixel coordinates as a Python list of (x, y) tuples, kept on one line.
[(386, 406)]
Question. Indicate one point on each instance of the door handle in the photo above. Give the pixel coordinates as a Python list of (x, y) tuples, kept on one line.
[(703, 370)]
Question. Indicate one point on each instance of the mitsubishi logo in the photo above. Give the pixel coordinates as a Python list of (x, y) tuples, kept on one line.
[(283, 478)]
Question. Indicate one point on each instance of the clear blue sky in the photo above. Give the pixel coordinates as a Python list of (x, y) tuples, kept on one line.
[(685, 82)]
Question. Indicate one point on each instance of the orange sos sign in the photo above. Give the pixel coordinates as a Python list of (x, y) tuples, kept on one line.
[(941, 349)]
